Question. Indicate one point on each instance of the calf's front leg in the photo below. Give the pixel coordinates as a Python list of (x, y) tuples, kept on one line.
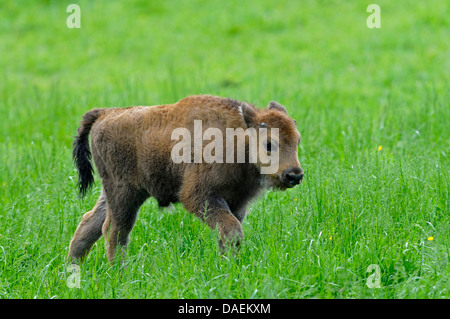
[(216, 213), (229, 227)]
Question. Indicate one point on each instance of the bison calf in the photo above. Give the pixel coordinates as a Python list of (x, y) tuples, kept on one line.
[(133, 150)]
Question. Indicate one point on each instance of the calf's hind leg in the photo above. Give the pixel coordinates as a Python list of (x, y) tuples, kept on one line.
[(88, 231), (123, 206)]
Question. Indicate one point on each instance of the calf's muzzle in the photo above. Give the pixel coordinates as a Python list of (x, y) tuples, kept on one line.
[(292, 176)]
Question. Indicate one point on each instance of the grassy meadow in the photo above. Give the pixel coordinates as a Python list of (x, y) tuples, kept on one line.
[(372, 106)]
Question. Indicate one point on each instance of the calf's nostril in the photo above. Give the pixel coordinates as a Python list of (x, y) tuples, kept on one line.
[(294, 179)]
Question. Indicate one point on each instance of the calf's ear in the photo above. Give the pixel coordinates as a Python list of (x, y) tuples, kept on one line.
[(249, 114), (277, 106)]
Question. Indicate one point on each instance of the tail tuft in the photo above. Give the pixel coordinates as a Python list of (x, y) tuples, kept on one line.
[(82, 159), (82, 153)]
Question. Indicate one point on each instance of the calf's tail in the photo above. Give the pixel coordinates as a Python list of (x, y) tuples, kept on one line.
[(81, 152)]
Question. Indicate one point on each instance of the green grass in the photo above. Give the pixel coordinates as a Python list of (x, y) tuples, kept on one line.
[(350, 88)]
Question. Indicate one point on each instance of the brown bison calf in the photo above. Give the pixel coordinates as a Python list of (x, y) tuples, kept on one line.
[(133, 149)]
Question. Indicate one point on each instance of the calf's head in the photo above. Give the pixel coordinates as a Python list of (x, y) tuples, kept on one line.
[(278, 147)]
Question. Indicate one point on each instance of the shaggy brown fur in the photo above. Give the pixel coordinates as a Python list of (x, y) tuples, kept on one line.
[(131, 148)]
